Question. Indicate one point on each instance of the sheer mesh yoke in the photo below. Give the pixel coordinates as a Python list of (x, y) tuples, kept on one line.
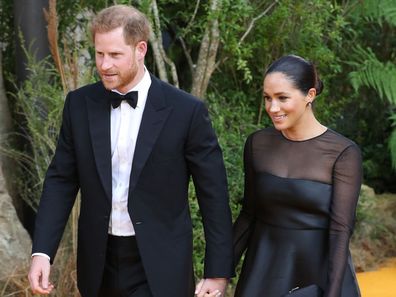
[(298, 214)]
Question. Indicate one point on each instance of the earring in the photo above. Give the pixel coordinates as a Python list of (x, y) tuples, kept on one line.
[(309, 104)]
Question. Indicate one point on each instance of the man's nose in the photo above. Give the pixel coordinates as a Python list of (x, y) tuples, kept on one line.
[(106, 63)]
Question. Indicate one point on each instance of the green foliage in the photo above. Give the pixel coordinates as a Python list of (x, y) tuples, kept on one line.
[(232, 121), (7, 35), (368, 70), (38, 104), (285, 28), (231, 118), (375, 74), (378, 11), (382, 78)]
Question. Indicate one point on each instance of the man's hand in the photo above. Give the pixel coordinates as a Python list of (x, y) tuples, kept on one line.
[(211, 287), (39, 274)]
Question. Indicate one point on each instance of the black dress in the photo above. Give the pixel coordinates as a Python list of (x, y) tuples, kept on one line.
[(298, 214)]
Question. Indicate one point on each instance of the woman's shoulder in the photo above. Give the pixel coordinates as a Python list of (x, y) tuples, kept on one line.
[(339, 138), (266, 137), (265, 132), (339, 141)]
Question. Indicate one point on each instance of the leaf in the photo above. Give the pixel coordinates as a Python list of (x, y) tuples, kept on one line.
[(379, 11), (374, 74)]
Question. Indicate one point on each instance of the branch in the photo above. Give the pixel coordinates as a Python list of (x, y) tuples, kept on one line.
[(161, 56), (207, 53), (255, 20), (187, 54), (156, 42), (192, 18), (183, 44), (52, 20)]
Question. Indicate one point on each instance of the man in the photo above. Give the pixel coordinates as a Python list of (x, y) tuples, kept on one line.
[(132, 162)]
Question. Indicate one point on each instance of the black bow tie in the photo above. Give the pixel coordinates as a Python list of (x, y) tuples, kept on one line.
[(131, 98)]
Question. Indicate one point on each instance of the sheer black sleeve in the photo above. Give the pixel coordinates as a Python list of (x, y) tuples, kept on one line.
[(243, 225), (347, 176)]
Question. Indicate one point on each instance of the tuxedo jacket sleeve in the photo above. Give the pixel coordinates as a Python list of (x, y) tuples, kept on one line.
[(60, 188), (175, 142)]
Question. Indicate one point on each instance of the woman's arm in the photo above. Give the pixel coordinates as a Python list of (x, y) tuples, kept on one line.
[(347, 177), (243, 225)]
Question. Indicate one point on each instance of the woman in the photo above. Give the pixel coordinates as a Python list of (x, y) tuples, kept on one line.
[(302, 183)]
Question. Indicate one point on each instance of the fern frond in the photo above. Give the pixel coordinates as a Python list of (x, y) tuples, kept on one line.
[(379, 11), (374, 74)]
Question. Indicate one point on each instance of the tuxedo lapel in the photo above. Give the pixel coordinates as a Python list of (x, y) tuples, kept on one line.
[(154, 117), (99, 126)]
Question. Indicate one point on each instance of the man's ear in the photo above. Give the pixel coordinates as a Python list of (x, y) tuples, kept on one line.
[(141, 50)]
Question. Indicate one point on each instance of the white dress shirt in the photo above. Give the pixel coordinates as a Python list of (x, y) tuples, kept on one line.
[(125, 123)]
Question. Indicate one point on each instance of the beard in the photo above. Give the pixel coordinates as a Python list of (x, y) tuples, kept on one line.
[(121, 81)]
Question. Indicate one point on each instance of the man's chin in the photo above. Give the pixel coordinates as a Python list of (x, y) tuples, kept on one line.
[(109, 86)]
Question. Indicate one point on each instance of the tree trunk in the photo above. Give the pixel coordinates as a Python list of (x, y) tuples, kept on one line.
[(31, 33), (161, 59), (206, 63), (5, 123), (5, 128), (14, 239)]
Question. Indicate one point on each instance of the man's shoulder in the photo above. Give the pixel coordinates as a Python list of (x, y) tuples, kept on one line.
[(173, 93), (79, 96), (88, 89)]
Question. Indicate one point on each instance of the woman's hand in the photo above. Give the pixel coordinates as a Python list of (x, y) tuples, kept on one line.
[(211, 287)]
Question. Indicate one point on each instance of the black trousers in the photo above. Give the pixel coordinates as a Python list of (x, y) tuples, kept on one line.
[(123, 275)]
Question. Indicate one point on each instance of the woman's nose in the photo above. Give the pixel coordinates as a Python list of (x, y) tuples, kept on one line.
[(274, 107)]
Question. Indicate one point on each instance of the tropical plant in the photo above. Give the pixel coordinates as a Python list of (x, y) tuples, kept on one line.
[(382, 78), (368, 70)]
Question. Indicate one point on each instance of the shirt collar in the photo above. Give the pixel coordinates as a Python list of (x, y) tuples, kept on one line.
[(142, 87)]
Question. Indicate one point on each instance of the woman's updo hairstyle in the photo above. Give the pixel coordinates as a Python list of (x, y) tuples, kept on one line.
[(300, 71)]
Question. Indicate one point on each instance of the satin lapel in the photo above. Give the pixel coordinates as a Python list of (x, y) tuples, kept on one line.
[(99, 126), (154, 116)]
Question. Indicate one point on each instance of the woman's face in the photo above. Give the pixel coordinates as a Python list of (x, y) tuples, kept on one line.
[(285, 104)]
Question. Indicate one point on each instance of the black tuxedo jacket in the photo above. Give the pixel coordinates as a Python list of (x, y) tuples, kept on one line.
[(175, 141)]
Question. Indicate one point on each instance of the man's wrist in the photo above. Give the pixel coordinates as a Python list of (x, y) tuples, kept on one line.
[(41, 255)]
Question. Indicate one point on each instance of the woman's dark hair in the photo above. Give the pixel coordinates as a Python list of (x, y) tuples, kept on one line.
[(300, 71)]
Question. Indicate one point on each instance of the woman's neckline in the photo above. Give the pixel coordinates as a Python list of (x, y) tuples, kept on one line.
[(305, 139)]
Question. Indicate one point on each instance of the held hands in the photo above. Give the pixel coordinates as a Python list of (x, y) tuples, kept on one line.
[(211, 287), (39, 274)]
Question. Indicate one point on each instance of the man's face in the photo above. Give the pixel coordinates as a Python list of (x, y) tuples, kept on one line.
[(118, 63)]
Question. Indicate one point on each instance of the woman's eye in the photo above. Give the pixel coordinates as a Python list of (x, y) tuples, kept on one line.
[(267, 98), (283, 98)]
